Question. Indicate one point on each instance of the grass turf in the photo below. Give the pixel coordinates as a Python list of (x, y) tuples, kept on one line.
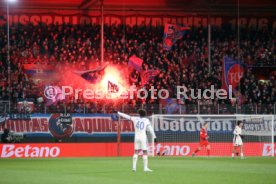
[(167, 170)]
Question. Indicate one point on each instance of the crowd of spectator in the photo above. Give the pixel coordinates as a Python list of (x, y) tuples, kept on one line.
[(185, 64)]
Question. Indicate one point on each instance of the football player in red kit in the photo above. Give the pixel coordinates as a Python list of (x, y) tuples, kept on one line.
[(203, 140)]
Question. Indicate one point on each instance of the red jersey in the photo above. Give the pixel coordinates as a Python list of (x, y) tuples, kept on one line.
[(203, 136)]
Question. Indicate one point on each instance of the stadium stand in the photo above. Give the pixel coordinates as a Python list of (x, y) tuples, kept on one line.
[(59, 45)]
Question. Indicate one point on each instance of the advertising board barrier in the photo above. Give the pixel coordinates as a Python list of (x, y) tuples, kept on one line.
[(57, 150)]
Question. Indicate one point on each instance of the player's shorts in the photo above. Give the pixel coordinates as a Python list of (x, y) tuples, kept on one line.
[(140, 144), (237, 141), (204, 143)]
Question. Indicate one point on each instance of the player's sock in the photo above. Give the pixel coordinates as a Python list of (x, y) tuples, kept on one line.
[(197, 150), (233, 155), (145, 160), (134, 162), (208, 153), (241, 155)]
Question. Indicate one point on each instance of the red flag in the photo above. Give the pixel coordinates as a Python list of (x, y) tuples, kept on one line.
[(172, 33), (232, 73), (147, 75), (135, 63)]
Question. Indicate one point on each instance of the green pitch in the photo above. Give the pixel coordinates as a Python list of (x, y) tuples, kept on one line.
[(167, 170)]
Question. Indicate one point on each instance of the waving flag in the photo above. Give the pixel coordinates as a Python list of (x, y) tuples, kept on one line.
[(39, 71), (92, 75), (112, 88), (231, 75), (135, 63), (25, 106), (148, 75), (172, 33)]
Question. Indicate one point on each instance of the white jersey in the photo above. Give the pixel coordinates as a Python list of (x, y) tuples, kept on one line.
[(237, 141), (237, 131), (141, 126)]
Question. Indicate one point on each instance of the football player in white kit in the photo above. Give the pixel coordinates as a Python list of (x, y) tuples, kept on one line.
[(237, 141), (141, 125)]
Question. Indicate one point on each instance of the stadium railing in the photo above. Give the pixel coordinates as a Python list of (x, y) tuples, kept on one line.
[(88, 108)]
